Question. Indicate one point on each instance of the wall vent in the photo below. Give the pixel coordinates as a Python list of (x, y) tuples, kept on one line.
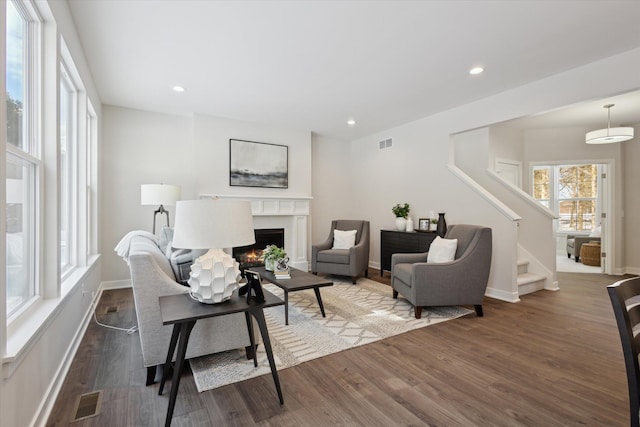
[(87, 405), (386, 143)]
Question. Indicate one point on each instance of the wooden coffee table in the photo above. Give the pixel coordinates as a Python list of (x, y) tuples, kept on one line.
[(299, 280)]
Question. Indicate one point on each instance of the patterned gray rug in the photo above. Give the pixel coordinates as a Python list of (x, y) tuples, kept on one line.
[(356, 315)]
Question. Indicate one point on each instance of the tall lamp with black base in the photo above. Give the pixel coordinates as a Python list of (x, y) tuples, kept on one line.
[(160, 195)]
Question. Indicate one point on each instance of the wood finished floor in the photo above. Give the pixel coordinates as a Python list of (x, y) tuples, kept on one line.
[(554, 359)]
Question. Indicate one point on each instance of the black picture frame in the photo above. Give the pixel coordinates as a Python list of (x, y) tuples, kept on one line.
[(423, 224), (258, 164)]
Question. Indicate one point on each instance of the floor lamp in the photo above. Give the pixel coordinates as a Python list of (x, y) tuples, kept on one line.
[(213, 225), (159, 195)]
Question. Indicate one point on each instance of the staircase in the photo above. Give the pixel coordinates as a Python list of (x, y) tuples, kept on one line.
[(528, 282)]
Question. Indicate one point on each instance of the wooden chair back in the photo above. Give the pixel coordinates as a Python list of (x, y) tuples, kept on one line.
[(625, 299)]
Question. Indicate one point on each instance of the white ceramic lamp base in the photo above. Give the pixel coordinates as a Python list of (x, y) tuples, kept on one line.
[(214, 277)]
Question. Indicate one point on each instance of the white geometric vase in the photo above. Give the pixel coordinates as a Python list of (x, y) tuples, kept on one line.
[(214, 277), (401, 224)]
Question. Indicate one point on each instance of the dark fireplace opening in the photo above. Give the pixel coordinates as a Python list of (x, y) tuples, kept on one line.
[(251, 255)]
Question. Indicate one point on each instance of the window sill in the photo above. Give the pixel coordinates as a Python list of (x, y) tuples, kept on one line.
[(24, 332)]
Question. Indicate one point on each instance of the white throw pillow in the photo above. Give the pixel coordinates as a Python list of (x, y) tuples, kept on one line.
[(344, 239), (442, 250), (596, 232)]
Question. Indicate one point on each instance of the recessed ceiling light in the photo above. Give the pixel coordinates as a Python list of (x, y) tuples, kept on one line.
[(476, 70), (178, 89), (351, 122)]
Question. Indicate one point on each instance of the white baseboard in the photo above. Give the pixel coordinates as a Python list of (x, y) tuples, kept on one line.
[(502, 295), (632, 270), (115, 284)]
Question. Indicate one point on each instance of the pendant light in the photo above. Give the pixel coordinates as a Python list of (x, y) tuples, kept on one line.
[(609, 135)]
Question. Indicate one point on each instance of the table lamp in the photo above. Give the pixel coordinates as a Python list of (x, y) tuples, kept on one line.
[(213, 225), (159, 195)]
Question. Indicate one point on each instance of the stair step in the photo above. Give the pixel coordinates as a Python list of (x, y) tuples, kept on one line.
[(527, 278), (530, 282), (523, 266)]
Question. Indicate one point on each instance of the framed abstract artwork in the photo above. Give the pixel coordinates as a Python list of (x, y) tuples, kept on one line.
[(258, 164)]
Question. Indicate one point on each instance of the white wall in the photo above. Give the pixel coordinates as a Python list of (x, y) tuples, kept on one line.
[(631, 203), (505, 143), (191, 151), (331, 186)]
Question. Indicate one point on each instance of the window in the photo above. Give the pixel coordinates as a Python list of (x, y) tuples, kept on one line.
[(68, 179), (91, 199), (571, 191), (20, 232), (22, 164)]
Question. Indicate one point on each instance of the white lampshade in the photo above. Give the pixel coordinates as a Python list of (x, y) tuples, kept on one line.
[(159, 194), (609, 135), (212, 224)]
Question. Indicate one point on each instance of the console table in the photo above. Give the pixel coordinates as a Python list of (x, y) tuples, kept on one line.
[(392, 242), (182, 312)]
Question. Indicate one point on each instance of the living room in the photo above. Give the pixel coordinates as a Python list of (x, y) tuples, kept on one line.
[(343, 172)]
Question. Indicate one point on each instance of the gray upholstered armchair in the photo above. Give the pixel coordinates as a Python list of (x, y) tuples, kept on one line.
[(462, 281), (351, 262)]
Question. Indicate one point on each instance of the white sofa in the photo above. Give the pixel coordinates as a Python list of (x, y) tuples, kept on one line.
[(152, 276)]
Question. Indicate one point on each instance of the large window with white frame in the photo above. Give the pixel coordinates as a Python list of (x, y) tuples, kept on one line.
[(572, 192), (68, 148), (23, 162)]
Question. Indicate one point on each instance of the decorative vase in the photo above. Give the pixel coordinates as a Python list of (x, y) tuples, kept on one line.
[(409, 224), (441, 229), (401, 224), (269, 264)]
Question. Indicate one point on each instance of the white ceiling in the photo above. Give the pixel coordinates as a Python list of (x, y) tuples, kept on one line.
[(314, 64)]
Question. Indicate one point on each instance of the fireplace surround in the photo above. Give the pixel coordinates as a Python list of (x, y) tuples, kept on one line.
[(251, 255), (289, 213)]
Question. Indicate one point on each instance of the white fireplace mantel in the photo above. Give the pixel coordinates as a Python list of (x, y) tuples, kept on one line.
[(288, 212)]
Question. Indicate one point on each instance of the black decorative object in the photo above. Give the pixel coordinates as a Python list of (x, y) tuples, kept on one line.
[(253, 286), (441, 229)]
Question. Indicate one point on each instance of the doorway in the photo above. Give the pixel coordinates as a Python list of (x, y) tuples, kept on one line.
[(579, 194)]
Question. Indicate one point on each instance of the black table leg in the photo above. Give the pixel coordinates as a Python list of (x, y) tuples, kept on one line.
[(185, 331), (252, 339), (286, 307), (317, 291), (172, 349), (262, 324)]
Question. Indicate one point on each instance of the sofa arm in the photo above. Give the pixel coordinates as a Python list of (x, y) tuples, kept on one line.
[(411, 258), (315, 249)]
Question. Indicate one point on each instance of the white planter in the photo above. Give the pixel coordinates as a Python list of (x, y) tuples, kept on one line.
[(269, 264), (401, 224)]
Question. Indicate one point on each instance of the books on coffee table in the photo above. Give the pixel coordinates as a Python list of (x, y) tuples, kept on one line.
[(282, 274)]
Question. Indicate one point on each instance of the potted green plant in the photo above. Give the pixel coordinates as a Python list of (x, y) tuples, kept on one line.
[(401, 211), (271, 254)]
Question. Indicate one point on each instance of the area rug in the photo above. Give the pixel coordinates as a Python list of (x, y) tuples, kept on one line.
[(355, 315)]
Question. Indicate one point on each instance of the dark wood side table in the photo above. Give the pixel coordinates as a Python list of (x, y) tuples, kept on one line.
[(299, 280), (399, 242), (182, 312)]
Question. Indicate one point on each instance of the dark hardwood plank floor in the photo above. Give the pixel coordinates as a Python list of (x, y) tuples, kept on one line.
[(554, 359)]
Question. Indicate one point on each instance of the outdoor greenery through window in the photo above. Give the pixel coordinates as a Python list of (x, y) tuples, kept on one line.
[(571, 191)]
